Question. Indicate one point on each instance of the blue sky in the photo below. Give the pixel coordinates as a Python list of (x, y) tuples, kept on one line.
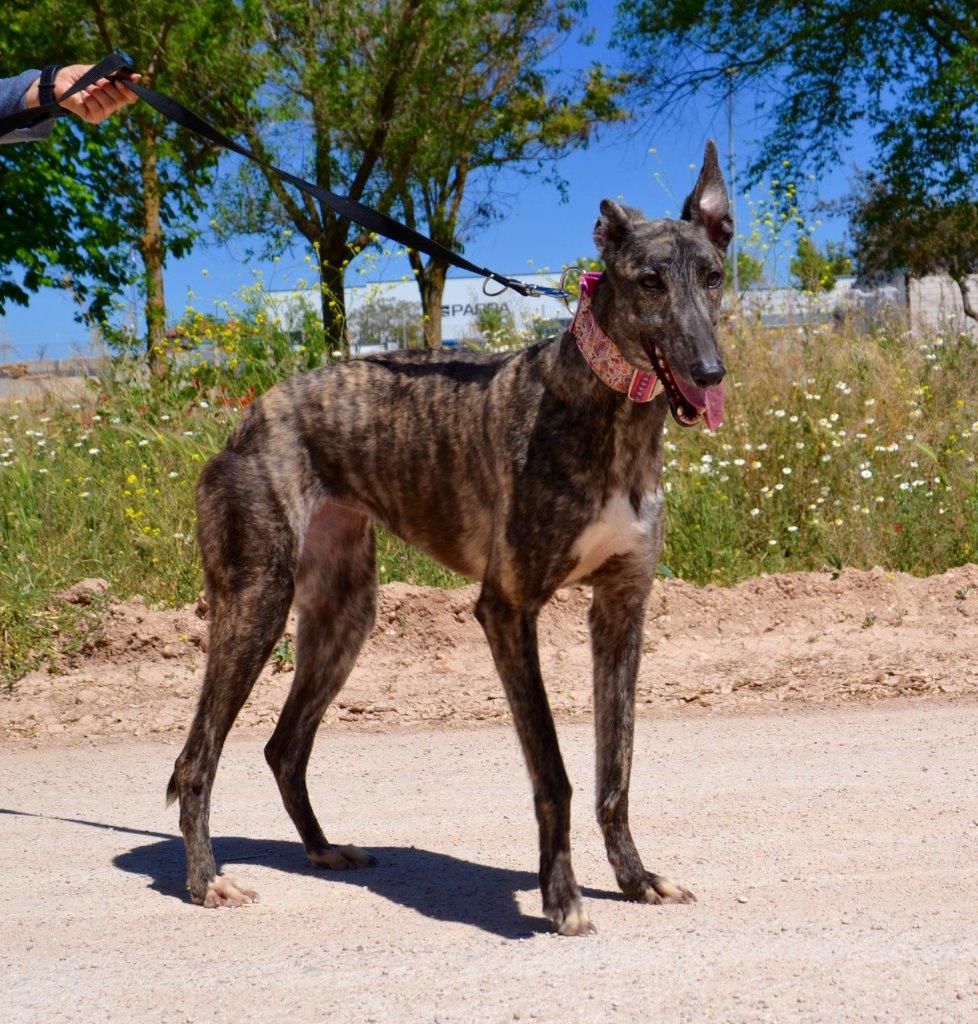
[(649, 168)]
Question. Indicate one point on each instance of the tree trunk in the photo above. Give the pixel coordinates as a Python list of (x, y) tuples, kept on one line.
[(152, 250), (331, 284), (431, 285), (969, 307)]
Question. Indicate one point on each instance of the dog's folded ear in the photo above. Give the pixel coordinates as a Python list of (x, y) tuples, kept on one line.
[(707, 205), (612, 227)]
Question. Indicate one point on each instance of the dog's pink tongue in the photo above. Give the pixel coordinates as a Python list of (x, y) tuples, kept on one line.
[(709, 401)]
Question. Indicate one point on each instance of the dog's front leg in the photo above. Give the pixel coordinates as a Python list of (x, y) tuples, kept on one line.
[(617, 618), (512, 635)]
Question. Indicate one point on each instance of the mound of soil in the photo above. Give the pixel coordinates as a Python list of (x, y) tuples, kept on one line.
[(773, 639)]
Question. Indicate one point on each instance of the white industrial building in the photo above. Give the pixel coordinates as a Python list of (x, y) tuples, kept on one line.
[(929, 304), (462, 300)]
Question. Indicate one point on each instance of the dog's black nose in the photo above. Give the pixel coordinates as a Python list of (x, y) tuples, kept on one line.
[(705, 375)]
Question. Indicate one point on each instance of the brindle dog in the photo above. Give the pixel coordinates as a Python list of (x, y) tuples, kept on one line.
[(520, 469)]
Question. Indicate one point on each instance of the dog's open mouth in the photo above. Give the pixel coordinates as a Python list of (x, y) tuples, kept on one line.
[(687, 402)]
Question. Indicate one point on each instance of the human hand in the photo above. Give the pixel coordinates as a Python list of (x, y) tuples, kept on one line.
[(94, 104)]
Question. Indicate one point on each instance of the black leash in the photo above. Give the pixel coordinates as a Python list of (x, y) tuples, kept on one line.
[(118, 64)]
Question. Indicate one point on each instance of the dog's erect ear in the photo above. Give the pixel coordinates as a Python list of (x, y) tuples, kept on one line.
[(613, 225), (707, 205)]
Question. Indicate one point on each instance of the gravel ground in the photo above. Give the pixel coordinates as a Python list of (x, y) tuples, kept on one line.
[(833, 852)]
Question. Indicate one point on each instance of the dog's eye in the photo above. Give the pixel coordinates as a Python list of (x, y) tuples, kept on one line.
[(653, 282), (714, 279)]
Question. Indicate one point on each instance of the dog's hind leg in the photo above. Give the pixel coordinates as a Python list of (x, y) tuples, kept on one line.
[(336, 596), (248, 555), (617, 618)]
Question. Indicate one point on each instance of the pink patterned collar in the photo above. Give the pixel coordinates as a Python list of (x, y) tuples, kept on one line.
[(603, 355)]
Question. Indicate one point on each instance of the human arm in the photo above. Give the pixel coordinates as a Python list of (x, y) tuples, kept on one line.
[(93, 104), (13, 97)]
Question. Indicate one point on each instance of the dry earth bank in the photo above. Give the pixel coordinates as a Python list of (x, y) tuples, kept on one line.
[(767, 641)]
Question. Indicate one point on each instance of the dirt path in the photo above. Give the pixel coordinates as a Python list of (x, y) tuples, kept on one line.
[(833, 851), (768, 642)]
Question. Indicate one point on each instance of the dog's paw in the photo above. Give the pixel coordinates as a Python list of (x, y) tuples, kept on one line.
[(657, 889), (339, 858), (572, 920), (225, 892)]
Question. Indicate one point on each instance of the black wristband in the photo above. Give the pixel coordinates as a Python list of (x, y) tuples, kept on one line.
[(45, 87), (45, 95)]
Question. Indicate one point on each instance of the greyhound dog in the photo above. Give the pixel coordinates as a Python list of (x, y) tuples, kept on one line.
[(528, 470)]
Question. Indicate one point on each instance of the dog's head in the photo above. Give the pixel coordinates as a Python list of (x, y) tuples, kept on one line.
[(666, 283)]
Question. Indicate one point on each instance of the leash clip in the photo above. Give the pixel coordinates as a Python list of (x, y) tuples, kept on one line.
[(524, 288), (553, 293)]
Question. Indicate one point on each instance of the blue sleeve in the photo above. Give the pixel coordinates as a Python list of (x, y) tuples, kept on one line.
[(12, 92)]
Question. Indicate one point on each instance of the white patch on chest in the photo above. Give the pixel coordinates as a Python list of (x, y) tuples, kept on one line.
[(618, 530)]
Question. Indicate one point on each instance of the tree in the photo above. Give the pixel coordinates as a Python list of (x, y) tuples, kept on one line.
[(56, 233), (817, 270), (380, 321), (497, 108), (496, 324), (750, 270), (916, 235), (187, 50), (136, 183), (907, 70), (345, 85)]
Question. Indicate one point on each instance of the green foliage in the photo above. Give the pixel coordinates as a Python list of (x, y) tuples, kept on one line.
[(507, 109), (913, 233), (909, 71), (816, 269), (356, 97), (750, 270), (77, 207), (57, 232), (246, 348), (283, 657), (104, 485), (541, 328), (497, 326), (345, 86)]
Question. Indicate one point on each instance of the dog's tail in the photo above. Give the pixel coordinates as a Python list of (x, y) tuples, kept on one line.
[(171, 789)]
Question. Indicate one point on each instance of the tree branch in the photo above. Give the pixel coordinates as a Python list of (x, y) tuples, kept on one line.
[(309, 226)]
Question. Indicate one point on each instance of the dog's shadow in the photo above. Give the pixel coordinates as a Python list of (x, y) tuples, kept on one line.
[(437, 885)]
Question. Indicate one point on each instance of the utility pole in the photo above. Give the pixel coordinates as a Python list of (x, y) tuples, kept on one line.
[(732, 175), (7, 349)]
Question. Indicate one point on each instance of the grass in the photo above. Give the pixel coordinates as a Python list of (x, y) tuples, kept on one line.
[(840, 448)]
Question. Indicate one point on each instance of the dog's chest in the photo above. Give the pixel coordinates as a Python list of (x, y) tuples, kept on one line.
[(618, 530)]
